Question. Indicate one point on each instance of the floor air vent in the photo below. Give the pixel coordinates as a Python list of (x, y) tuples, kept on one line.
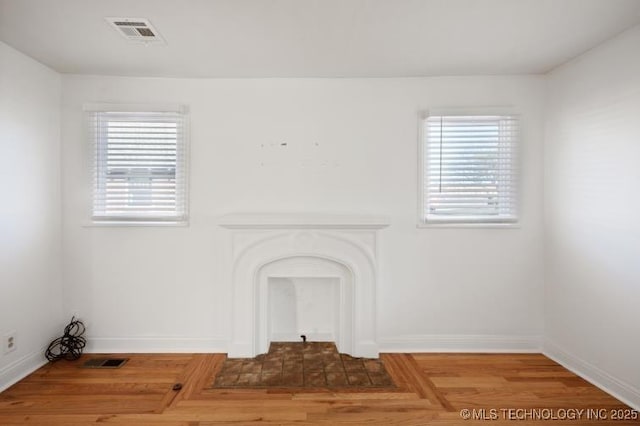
[(105, 363)]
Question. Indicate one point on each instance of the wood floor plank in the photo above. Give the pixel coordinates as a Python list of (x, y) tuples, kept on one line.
[(431, 389)]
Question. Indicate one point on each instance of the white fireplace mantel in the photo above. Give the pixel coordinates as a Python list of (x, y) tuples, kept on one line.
[(302, 221), (293, 245)]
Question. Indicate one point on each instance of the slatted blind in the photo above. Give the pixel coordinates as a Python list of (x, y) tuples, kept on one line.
[(139, 166), (470, 168)]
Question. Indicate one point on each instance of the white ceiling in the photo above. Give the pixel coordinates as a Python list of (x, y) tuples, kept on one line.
[(314, 38)]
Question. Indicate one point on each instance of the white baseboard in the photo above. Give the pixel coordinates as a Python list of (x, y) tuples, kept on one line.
[(475, 343), (156, 345), (366, 349), (240, 350), (21, 368), (614, 386)]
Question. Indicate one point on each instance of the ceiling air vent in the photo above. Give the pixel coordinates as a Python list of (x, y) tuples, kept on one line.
[(138, 30)]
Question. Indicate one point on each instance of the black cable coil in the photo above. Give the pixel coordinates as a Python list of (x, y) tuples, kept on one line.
[(70, 345)]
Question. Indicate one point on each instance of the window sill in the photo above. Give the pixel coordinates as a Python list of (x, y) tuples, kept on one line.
[(128, 224), (476, 225)]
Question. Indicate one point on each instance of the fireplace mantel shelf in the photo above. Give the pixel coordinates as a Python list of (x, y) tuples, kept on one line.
[(302, 221)]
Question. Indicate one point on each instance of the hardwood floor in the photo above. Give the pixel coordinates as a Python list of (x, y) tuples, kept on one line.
[(431, 389)]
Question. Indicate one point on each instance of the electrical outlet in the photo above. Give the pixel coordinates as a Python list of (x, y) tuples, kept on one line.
[(9, 342)]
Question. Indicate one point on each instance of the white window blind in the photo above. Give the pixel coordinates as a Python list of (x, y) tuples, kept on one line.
[(470, 168), (139, 166)]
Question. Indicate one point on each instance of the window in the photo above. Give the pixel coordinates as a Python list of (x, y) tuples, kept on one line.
[(469, 172), (139, 166)]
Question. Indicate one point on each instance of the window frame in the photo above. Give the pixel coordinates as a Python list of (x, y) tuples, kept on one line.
[(93, 167), (479, 222)]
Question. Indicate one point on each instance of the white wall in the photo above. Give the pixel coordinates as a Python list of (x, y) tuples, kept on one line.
[(592, 179), (30, 225), (164, 288)]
